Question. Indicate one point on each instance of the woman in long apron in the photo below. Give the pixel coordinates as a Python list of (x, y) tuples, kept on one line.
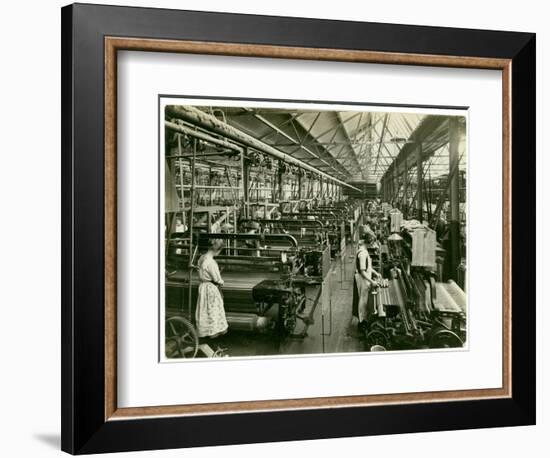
[(363, 281), (210, 313)]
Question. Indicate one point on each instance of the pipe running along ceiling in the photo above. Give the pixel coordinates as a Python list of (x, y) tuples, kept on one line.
[(345, 146), (212, 124)]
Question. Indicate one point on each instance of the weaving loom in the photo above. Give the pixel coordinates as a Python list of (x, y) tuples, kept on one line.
[(411, 309), (260, 291), (411, 312), (334, 224), (312, 237)]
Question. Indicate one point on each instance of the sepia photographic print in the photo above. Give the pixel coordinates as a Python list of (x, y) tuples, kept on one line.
[(301, 228)]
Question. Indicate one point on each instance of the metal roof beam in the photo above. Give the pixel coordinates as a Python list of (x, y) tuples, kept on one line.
[(199, 118)]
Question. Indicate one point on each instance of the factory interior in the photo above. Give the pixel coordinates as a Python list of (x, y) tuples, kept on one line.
[(295, 197)]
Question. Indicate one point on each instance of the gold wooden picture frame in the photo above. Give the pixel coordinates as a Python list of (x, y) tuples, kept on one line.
[(92, 419), (115, 44)]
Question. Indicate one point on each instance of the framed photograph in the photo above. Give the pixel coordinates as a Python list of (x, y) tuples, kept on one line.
[(285, 228)]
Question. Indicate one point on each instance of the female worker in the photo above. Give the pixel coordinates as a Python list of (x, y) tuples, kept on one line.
[(210, 312), (363, 281)]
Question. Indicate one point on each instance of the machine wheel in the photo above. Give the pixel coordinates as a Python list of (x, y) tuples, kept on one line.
[(445, 339), (377, 337), (377, 325), (181, 338), (286, 320)]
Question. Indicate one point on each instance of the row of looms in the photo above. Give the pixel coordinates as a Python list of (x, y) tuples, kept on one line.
[(291, 193)]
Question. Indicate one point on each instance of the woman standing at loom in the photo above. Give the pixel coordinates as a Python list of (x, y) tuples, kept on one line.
[(363, 281), (210, 312)]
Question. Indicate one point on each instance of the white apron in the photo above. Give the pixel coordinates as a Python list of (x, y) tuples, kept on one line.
[(363, 293), (210, 312)]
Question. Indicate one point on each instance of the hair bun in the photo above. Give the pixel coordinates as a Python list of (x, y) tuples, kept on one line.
[(215, 244)]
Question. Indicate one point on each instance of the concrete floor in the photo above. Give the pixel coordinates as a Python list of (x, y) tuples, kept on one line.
[(334, 329)]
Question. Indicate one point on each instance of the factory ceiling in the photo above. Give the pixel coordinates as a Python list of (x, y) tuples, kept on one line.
[(350, 145)]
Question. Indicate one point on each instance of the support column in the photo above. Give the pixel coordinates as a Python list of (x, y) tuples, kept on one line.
[(454, 183), (191, 228), (395, 175), (391, 185), (279, 195), (246, 181), (182, 185), (405, 200), (419, 183)]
